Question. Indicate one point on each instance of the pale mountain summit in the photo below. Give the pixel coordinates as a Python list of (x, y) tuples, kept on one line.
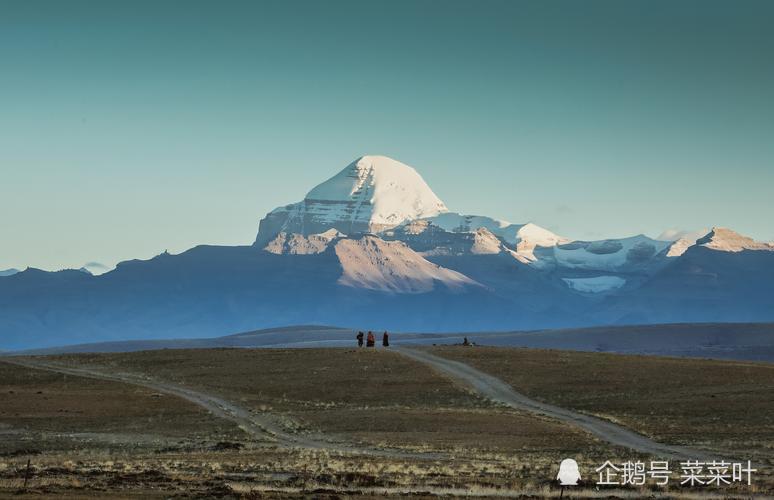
[(718, 238), (681, 239), (726, 240), (371, 194), (674, 234), (531, 236)]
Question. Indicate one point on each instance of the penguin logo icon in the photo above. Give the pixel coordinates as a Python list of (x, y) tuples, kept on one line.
[(569, 474)]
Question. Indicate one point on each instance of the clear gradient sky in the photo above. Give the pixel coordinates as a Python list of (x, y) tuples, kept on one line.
[(131, 127)]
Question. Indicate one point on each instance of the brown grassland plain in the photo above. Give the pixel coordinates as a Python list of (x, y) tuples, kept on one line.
[(42, 410), (374, 396), (726, 406), (93, 438)]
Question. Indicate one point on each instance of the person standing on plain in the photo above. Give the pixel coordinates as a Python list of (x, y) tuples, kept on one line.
[(359, 339), (370, 340), (386, 339)]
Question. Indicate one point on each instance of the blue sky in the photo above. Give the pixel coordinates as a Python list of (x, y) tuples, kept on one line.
[(128, 128)]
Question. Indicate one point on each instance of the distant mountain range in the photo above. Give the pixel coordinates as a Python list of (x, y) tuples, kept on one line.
[(374, 247), (740, 341)]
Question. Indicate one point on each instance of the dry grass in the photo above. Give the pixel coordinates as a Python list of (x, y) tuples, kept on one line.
[(375, 397), (42, 410), (484, 430), (723, 405), (289, 379), (294, 473)]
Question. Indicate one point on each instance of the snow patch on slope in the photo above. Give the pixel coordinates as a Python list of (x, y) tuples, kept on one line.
[(391, 266), (674, 234), (96, 268), (597, 284), (682, 240), (609, 254), (510, 233)]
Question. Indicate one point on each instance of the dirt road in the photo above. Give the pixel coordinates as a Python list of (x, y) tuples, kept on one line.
[(498, 391), (266, 427), (262, 426)]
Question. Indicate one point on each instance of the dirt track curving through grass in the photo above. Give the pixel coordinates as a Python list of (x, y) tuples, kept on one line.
[(500, 392), (262, 426), (267, 428)]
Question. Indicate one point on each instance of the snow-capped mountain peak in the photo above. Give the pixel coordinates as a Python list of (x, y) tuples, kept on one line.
[(385, 192), (371, 194)]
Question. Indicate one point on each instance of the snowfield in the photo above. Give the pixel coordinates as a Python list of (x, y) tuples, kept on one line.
[(597, 284), (510, 233), (609, 255)]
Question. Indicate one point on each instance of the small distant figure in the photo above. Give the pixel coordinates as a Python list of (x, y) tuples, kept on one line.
[(466, 341), (360, 339), (370, 340), (386, 340)]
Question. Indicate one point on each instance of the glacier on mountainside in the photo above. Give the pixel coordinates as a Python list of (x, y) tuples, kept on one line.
[(596, 284)]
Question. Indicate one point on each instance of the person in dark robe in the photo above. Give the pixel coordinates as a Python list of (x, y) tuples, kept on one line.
[(386, 340)]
